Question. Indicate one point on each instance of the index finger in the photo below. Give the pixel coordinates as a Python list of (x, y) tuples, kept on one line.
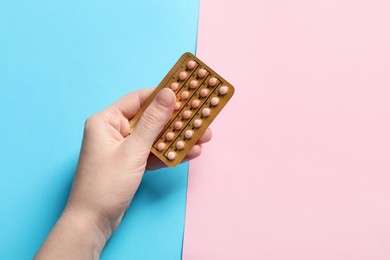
[(129, 105)]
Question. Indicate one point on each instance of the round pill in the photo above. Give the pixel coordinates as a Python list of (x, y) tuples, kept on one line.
[(197, 123), (188, 134), (171, 156), (174, 86), (185, 94), (161, 146), (204, 92), (193, 83), (187, 114), (177, 105), (213, 82), (178, 125), (202, 73), (170, 136), (180, 145), (223, 90), (195, 103), (206, 112), (214, 101), (191, 64), (183, 75)]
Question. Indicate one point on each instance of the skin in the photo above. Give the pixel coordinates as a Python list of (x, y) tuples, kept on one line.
[(110, 169)]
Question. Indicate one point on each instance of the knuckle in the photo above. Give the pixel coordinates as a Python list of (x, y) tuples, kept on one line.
[(90, 123), (151, 119)]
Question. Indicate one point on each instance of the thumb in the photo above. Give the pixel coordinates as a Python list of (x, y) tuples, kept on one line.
[(152, 121)]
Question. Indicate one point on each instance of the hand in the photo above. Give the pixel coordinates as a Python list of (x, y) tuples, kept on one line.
[(110, 169)]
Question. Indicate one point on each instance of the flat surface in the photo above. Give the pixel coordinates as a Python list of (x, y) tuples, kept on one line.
[(60, 62), (298, 167)]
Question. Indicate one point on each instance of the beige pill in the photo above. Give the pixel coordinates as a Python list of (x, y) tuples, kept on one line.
[(213, 82), (195, 103), (191, 64), (171, 156), (193, 83), (214, 101), (204, 92), (180, 145), (197, 123), (206, 112), (161, 146), (183, 75), (223, 90), (174, 86), (178, 125), (188, 134), (177, 105), (187, 114), (185, 94), (202, 73), (169, 136)]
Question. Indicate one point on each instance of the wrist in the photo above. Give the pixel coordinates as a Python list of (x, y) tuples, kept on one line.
[(76, 235), (89, 225), (89, 228)]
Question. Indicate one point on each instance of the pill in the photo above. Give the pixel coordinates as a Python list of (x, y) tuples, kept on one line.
[(183, 75), (204, 92), (193, 83), (214, 101), (180, 145), (171, 155), (223, 90), (202, 73), (178, 125), (188, 134), (177, 105), (206, 112), (213, 82), (187, 114), (191, 64), (170, 136), (197, 123), (161, 146), (174, 86), (195, 103), (200, 95), (185, 94)]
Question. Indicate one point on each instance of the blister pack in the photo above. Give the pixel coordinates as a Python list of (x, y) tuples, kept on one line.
[(201, 94)]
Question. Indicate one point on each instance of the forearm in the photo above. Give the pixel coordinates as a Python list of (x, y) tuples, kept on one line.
[(76, 235), (111, 166)]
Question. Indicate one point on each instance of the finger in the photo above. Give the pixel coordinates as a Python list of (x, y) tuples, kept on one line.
[(206, 137), (195, 152), (152, 121), (154, 163), (129, 105)]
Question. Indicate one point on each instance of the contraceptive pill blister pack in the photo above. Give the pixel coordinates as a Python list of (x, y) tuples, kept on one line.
[(201, 94)]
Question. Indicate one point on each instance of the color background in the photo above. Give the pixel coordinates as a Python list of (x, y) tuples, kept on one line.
[(299, 164), (60, 62)]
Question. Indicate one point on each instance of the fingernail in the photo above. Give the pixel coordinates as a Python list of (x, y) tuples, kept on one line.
[(165, 98)]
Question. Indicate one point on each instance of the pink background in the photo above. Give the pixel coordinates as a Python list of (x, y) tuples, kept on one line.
[(299, 164)]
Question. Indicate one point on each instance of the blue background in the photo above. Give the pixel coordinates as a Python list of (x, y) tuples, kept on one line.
[(60, 62)]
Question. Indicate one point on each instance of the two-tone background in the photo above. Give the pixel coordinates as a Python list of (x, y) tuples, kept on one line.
[(299, 166)]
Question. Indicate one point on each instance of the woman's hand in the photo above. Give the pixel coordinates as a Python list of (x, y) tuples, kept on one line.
[(110, 169)]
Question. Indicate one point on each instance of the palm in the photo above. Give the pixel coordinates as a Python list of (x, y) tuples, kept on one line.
[(124, 109)]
